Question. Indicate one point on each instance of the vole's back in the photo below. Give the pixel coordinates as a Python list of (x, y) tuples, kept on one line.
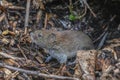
[(72, 41)]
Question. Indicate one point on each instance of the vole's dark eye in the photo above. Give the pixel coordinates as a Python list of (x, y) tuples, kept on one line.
[(39, 35)]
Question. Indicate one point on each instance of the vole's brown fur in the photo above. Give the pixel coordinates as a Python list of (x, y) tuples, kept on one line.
[(62, 44)]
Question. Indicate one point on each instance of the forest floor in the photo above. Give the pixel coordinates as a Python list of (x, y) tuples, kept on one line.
[(20, 59)]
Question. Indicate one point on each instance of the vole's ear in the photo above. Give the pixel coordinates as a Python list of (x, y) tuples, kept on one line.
[(52, 37)]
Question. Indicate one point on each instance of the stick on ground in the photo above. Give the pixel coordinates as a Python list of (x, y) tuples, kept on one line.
[(36, 73)]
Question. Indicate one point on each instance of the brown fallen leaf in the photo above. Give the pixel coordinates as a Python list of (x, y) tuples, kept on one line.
[(6, 32), (86, 60), (5, 41)]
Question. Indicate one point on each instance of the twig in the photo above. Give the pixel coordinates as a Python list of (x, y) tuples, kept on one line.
[(46, 19), (83, 13), (9, 56), (102, 41), (27, 15), (12, 75), (115, 54), (71, 6), (16, 7), (26, 76), (85, 2), (2, 17), (6, 20), (36, 72), (99, 37), (22, 52), (110, 68), (106, 29)]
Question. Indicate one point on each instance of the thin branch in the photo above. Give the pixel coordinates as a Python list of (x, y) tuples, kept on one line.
[(102, 41), (36, 72), (9, 56), (6, 21), (85, 2), (22, 51), (27, 15), (46, 19)]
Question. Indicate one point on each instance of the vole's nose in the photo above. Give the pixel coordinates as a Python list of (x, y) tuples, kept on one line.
[(32, 36)]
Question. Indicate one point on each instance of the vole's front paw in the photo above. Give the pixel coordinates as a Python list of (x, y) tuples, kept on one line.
[(48, 59), (62, 58)]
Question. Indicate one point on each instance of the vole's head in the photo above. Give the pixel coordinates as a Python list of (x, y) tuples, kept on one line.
[(35, 36), (42, 38)]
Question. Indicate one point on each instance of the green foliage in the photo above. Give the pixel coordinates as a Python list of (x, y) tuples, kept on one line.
[(72, 17)]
